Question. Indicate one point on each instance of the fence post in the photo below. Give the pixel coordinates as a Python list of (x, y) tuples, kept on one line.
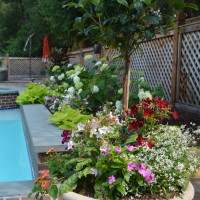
[(8, 65), (180, 20)]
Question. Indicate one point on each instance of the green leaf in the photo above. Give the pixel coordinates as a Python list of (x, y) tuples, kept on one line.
[(132, 138), (123, 2), (192, 5), (71, 4), (95, 2), (140, 180), (116, 166), (84, 162), (121, 189), (53, 191)]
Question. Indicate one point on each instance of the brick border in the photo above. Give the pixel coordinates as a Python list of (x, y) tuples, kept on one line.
[(8, 100)]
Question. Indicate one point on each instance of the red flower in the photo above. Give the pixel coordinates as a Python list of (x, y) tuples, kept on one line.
[(143, 142), (134, 110), (146, 102), (136, 124), (175, 114), (162, 104), (148, 112)]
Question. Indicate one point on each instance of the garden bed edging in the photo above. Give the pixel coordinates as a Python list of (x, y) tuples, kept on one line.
[(187, 195)]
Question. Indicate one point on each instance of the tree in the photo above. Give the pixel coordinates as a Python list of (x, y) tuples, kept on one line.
[(124, 24)]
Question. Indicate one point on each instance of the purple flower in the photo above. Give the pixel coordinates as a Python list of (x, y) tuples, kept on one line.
[(86, 101), (147, 174), (130, 148), (111, 179), (108, 149), (94, 171), (139, 166), (118, 149), (131, 165), (65, 133)]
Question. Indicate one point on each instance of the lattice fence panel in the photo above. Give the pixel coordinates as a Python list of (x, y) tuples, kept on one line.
[(20, 67), (189, 89), (155, 61)]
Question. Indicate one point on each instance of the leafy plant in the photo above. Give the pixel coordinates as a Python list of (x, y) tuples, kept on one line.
[(68, 118), (34, 93)]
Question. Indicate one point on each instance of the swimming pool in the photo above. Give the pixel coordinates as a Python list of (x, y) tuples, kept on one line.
[(14, 157)]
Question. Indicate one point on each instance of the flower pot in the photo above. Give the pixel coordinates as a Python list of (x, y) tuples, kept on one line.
[(4, 75), (187, 195)]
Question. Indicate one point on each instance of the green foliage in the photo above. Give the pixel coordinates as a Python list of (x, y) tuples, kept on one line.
[(122, 23), (34, 93), (68, 118)]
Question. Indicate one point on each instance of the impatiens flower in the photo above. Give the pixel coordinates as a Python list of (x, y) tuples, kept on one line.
[(45, 184), (71, 90), (147, 174), (118, 149), (111, 179), (130, 148), (88, 57), (95, 89), (76, 79), (130, 166), (94, 171)]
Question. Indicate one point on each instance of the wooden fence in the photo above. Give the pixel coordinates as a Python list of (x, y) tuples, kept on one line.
[(172, 60)]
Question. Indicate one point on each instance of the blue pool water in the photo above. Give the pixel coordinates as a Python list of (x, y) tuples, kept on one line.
[(14, 158)]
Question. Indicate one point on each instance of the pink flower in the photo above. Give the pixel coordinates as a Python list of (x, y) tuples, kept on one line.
[(131, 165), (106, 154), (139, 166), (111, 179), (107, 149), (45, 184), (118, 149), (130, 148), (147, 174)]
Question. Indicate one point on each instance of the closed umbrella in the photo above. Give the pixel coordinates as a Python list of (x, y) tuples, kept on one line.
[(46, 54)]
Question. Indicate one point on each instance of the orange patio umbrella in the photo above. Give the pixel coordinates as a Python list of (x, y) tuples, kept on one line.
[(46, 49)]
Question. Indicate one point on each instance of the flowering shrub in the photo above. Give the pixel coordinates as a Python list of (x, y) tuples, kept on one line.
[(108, 165)]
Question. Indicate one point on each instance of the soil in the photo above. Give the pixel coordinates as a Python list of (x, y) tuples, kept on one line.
[(191, 120)]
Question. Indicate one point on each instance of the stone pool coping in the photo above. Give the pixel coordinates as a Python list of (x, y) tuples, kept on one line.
[(41, 135)]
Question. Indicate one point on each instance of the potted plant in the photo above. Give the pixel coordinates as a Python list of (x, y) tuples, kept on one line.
[(106, 158), (3, 72)]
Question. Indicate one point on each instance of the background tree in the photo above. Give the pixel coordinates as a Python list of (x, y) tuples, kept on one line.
[(124, 24)]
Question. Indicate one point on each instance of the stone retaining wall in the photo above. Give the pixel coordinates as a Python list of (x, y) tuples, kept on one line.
[(8, 100)]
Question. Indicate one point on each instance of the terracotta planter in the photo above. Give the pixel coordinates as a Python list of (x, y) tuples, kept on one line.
[(188, 195)]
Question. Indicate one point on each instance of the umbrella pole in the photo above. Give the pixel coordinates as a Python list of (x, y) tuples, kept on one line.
[(30, 59)]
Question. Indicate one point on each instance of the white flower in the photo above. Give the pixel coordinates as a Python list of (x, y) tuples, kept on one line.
[(75, 74), (95, 89), (104, 147), (52, 78), (118, 105), (94, 171), (78, 85), (71, 90), (80, 127), (61, 77), (93, 132), (120, 91), (76, 79), (69, 65), (70, 144), (88, 57), (144, 95), (98, 63), (103, 67), (80, 90), (105, 129)]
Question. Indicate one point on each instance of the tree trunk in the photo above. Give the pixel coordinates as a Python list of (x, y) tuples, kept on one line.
[(126, 80)]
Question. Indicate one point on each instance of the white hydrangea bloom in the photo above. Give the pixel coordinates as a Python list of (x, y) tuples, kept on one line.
[(69, 65), (76, 79), (103, 67), (118, 105), (88, 57), (98, 63), (61, 77), (52, 78), (71, 90), (95, 89), (144, 95)]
